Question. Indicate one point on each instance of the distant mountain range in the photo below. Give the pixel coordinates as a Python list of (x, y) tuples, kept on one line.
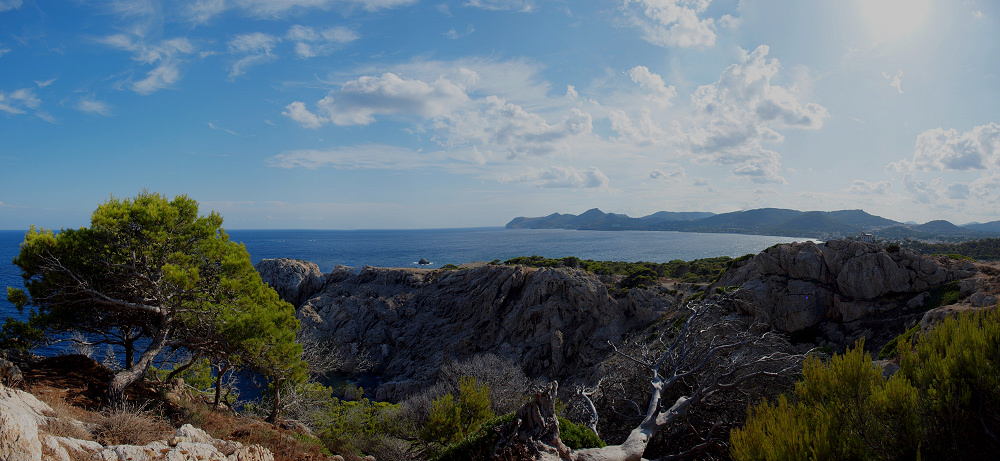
[(765, 221)]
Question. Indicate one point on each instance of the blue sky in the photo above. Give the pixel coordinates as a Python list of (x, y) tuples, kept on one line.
[(346, 114)]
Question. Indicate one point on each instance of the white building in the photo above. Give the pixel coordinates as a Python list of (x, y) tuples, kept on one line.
[(867, 237)]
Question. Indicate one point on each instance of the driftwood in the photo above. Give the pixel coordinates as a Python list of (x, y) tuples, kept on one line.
[(715, 350)]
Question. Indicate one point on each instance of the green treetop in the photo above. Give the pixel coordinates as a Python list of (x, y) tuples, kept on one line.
[(151, 275)]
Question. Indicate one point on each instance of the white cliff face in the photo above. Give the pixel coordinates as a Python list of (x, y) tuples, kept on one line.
[(408, 322), (802, 285)]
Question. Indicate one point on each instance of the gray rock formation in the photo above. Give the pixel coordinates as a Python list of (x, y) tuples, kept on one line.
[(803, 285), (406, 323), (294, 280)]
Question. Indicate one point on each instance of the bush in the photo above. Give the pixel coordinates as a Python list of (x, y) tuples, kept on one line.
[(356, 427), (943, 401), (452, 419), (578, 436), (478, 445)]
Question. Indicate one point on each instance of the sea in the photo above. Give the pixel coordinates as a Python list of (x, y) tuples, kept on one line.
[(405, 248)]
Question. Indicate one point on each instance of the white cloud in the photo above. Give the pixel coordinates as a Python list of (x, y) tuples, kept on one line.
[(93, 106), (455, 35), (4, 51), (280, 8), (735, 116), (675, 23), (257, 49), (166, 56), (659, 92), (201, 11), (644, 131), (6, 5), (861, 187), (368, 156), (921, 191), (895, 81), (524, 6), (309, 43), (496, 127), (19, 101), (669, 173), (561, 177), (357, 102), (940, 149)]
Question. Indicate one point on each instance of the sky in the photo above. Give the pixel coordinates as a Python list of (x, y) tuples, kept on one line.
[(378, 114)]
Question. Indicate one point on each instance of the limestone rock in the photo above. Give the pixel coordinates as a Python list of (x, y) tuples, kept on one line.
[(797, 286), (405, 323), (293, 279)]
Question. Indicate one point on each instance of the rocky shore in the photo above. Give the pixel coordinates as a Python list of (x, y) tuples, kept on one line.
[(405, 323)]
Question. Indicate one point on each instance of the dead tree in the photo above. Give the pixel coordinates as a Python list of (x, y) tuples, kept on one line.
[(714, 350)]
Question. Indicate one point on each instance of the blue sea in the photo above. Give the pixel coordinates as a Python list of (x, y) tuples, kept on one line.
[(403, 248)]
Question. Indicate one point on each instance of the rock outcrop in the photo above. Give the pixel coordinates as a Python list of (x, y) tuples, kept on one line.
[(23, 419), (294, 280), (837, 286), (406, 323)]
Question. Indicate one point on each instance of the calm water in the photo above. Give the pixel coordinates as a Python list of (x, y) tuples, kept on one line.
[(403, 248)]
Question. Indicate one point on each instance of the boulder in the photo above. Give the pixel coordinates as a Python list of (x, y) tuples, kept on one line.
[(293, 279), (797, 286)]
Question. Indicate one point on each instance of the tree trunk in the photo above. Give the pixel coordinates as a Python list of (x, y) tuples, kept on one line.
[(275, 402), (124, 378), (218, 384)]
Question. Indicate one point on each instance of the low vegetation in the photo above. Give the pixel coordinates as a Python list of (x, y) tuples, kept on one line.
[(637, 274), (942, 401), (984, 249)]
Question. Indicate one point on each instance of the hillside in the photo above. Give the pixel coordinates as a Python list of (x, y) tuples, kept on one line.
[(764, 221)]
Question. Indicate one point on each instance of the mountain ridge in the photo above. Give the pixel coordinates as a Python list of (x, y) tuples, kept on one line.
[(761, 221)]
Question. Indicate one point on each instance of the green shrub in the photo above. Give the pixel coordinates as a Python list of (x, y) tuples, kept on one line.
[(356, 427), (891, 348), (578, 436), (940, 403), (452, 419), (478, 445), (449, 267)]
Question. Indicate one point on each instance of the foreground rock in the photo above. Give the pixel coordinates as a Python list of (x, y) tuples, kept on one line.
[(841, 288), (405, 323), (23, 437)]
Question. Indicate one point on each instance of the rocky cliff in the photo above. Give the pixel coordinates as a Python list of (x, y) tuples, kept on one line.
[(841, 288), (405, 323)]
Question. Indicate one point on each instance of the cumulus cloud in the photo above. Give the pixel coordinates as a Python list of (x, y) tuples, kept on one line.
[(6, 5), (166, 57), (561, 177), (735, 116), (495, 126), (357, 102), (862, 187), (367, 156), (524, 6), (895, 81), (921, 191), (675, 23), (940, 149), (658, 92), (644, 131)]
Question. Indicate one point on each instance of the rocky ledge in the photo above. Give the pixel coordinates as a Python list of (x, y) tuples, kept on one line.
[(842, 289)]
